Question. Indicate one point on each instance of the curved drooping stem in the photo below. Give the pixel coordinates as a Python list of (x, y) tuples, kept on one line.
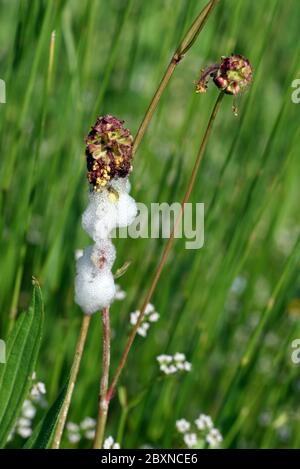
[(72, 380), (167, 248), (103, 401)]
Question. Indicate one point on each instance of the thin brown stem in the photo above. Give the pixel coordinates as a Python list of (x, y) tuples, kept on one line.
[(72, 380), (103, 402), (167, 248), (153, 105), (182, 49)]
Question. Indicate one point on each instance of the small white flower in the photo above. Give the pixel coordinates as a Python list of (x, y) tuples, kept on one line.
[(179, 357), (24, 422), (134, 317), (164, 358), (74, 437), (214, 438), (34, 392), (72, 427), (24, 432), (88, 423), (172, 369), (204, 422), (28, 410), (168, 370), (182, 425), (142, 330), (149, 309), (190, 439), (38, 390), (109, 443), (90, 434), (164, 368), (180, 366), (41, 387), (153, 317), (187, 366)]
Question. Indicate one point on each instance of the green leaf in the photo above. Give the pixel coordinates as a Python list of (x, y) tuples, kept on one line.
[(42, 435), (23, 346), (122, 270)]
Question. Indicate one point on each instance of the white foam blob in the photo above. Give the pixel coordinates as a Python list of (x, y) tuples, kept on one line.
[(108, 209), (103, 254), (94, 288), (102, 214)]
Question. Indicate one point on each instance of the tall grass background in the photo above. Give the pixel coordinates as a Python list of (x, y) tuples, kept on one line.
[(234, 306)]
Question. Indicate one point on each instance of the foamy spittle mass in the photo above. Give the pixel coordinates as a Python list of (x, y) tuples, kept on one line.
[(110, 206)]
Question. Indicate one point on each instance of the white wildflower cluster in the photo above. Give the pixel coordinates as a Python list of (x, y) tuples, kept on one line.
[(110, 443), (38, 393), (107, 210), (150, 316), (214, 437), (183, 425), (35, 400), (170, 364), (23, 426), (202, 432), (84, 430)]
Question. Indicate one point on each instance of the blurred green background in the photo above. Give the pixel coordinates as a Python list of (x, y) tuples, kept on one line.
[(234, 306)]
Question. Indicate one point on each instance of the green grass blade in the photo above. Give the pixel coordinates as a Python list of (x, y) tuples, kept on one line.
[(43, 433)]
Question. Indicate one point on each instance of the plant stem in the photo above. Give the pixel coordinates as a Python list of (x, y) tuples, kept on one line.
[(103, 401), (72, 380), (105, 391), (167, 248), (183, 48)]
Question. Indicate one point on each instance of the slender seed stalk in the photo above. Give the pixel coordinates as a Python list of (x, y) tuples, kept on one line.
[(73, 376), (167, 248), (103, 402), (153, 105), (187, 42)]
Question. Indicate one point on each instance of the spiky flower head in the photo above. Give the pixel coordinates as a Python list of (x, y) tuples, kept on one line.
[(233, 75), (108, 151)]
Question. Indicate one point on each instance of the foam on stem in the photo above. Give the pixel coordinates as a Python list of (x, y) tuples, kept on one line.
[(108, 209)]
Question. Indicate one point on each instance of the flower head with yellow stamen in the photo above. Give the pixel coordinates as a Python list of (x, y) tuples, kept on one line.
[(108, 151)]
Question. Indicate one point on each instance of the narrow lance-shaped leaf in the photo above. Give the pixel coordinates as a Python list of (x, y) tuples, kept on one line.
[(16, 374)]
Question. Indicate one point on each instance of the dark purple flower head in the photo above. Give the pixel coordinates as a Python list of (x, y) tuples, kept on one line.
[(233, 75), (108, 151)]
